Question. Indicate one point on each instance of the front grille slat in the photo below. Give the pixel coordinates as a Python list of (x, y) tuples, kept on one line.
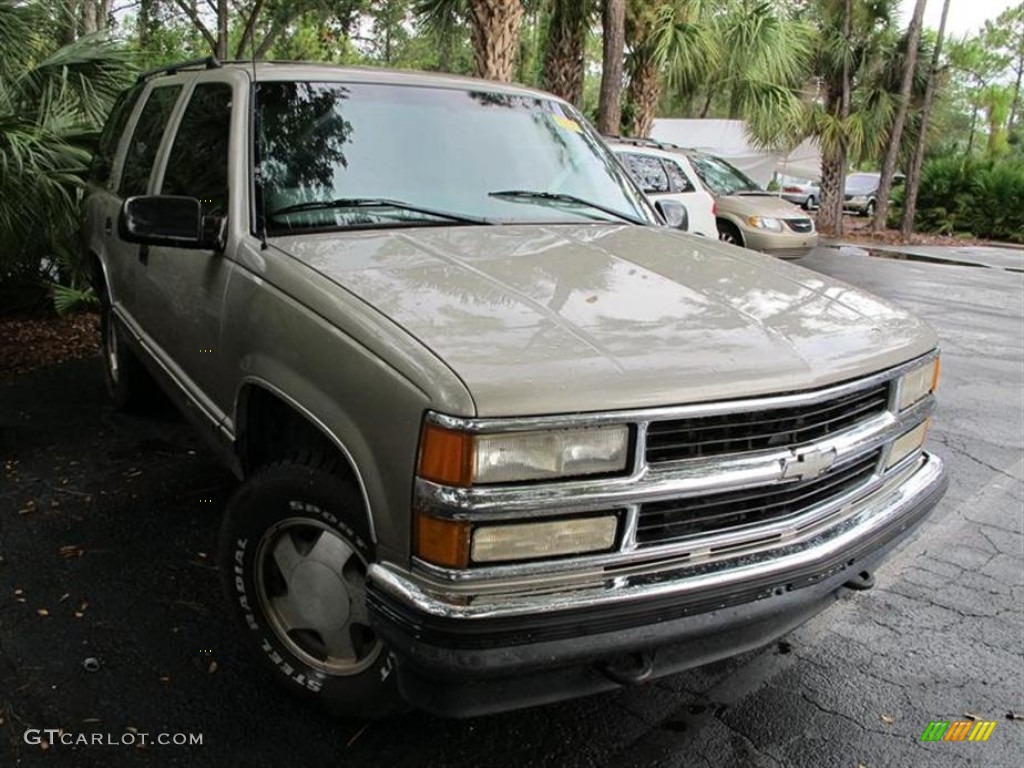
[(799, 225), (671, 521), (757, 418), (679, 439), (794, 435)]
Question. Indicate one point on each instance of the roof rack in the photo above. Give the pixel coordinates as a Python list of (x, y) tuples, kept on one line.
[(210, 62), (638, 141)]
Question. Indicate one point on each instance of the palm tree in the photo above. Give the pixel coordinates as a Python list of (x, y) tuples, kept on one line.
[(53, 101), (913, 181), (672, 34), (609, 110), (563, 60), (850, 108), (896, 134), (494, 30)]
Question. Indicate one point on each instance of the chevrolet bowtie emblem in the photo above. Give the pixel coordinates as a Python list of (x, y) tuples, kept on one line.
[(807, 464)]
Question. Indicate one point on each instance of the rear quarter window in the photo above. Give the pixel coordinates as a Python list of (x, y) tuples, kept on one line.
[(647, 171), (103, 161)]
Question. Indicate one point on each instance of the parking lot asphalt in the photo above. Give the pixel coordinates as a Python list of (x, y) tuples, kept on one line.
[(108, 524)]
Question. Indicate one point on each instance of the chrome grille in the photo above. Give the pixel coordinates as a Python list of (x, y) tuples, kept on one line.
[(666, 522), (742, 432), (799, 225)]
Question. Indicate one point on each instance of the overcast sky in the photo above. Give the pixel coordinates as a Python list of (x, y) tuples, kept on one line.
[(964, 15)]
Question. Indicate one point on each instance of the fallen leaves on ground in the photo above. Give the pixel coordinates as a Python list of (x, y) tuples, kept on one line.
[(858, 230), (28, 342)]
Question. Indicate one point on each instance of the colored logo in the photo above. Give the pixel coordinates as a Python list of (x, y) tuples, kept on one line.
[(958, 730)]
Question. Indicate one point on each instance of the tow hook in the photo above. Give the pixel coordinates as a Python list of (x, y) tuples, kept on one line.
[(631, 669), (862, 581)]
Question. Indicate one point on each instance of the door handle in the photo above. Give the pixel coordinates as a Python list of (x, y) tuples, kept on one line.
[(108, 226)]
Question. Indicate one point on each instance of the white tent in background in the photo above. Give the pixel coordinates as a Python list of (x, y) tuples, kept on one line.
[(728, 139)]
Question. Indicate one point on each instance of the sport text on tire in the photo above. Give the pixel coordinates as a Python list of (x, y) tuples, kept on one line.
[(294, 553)]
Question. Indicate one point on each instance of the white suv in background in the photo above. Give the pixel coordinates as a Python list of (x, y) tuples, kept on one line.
[(664, 175)]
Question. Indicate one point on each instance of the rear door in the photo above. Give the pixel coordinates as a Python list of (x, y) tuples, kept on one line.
[(121, 167), (181, 291)]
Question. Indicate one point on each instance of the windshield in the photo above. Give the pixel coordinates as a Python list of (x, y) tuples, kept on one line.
[(861, 183), (720, 177), (337, 155)]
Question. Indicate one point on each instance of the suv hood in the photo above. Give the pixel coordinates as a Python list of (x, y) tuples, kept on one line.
[(554, 319), (760, 204)]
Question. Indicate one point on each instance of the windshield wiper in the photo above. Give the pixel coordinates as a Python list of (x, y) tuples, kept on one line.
[(526, 194), (376, 202)]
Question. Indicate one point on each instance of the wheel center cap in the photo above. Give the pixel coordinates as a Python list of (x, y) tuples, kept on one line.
[(319, 595)]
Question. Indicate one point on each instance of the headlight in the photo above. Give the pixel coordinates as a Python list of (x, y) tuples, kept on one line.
[(463, 459), (906, 444), (456, 543), (765, 222), (527, 541), (918, 383)]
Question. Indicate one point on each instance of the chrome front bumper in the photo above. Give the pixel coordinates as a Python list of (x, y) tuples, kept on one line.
[(863, 525)]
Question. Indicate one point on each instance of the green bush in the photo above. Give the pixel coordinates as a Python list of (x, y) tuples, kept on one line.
[(53, 100), (982, 198)]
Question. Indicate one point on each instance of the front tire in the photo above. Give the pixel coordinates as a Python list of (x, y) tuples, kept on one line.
[(869, 211), (810, 203), (294, 551), (728, 233)]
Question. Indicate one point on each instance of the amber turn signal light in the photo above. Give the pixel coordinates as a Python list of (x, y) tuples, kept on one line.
[(935, 376), (446, 456), (441, 542)]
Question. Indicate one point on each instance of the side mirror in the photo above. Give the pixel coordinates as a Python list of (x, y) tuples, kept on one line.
[(674, 213), (167, 220)]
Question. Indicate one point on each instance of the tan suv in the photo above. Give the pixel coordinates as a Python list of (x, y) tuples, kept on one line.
[(502, 438)]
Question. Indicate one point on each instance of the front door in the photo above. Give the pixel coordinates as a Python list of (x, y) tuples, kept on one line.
[(181, 291)]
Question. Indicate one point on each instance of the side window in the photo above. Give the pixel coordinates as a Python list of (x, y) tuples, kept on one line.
[(138, 161), (103, 161), (680, 182), (647, 172), (197, 165)]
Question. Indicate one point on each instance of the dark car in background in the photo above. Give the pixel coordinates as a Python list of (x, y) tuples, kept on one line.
[(860, 195)]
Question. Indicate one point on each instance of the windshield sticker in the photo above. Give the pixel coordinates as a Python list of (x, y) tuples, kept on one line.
[(567, 123)]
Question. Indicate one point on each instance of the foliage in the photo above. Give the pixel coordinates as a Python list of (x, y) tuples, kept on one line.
[(53, 100), (980, 197)]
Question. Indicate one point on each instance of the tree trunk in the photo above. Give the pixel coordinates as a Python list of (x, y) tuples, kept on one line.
[(495, 33), (613, 24), (221, 51), (914, 174), (974, 125), (563, 59), (1015, 106), (103, 14), (644, 92), (90, 24), (830, 210), (893, 151), (833, 159)]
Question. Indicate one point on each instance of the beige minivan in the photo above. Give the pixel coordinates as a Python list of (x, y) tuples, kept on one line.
[(749, 215)]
